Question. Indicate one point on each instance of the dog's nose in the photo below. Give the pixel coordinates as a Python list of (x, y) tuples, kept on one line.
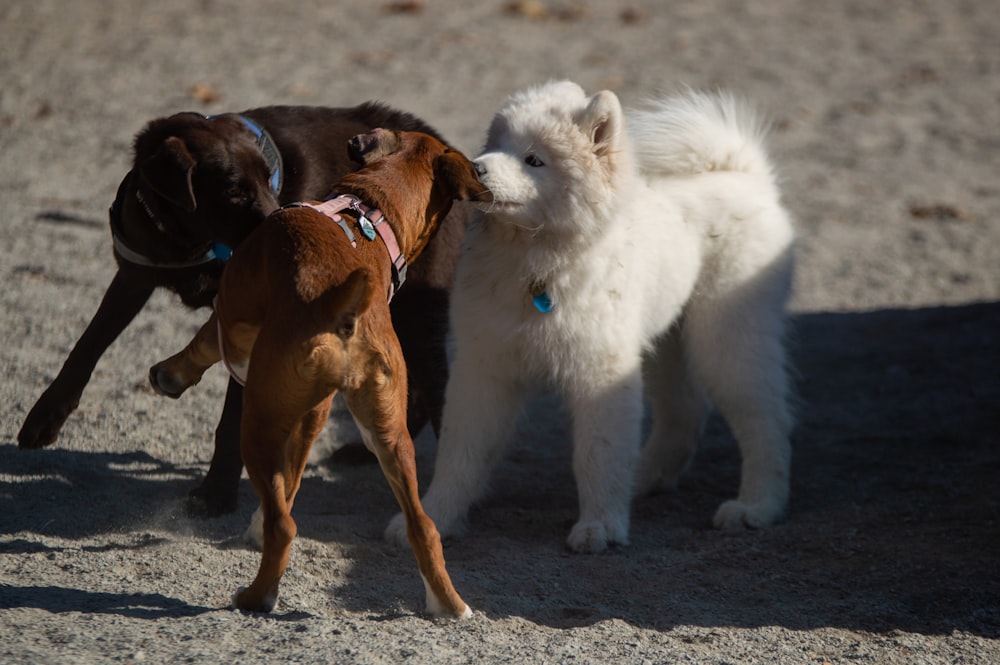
[(480, 169)]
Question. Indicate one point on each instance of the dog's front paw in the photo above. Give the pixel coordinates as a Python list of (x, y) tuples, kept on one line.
[(211, 500), (166, 383), (45, 419), (395, 532), (736, 515), (254, 535), (595, 536)]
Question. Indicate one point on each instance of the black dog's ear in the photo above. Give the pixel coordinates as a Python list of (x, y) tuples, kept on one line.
[(168, 173), (458, 176), (376, 144)]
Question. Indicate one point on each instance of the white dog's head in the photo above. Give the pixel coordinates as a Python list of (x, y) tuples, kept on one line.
[(554, 158)]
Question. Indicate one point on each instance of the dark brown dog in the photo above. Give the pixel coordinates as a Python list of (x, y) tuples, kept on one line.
[(307, 315), (197, 188)]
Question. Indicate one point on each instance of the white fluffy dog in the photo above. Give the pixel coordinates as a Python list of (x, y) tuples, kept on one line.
[(621, 253)]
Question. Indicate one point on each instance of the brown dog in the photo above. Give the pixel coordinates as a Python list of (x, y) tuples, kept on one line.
[(198, 183), (306, 314)]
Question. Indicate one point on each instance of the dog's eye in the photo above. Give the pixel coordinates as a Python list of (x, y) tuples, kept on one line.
[(531, 160)]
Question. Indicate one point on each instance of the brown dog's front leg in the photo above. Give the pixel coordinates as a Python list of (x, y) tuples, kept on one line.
[(179, 372), (124, 298)]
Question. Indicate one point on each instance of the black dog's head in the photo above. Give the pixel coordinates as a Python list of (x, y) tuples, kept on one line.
[(195, 183)]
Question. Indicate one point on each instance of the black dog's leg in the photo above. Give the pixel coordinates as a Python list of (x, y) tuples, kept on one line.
[(124, 298), (218, 492), (421, 324)]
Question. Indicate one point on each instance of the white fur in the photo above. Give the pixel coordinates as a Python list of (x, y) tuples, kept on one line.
[(437, 609), (254, 535), (661, 240)]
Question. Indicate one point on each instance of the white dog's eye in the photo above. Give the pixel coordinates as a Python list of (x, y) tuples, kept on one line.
[(531, 160)]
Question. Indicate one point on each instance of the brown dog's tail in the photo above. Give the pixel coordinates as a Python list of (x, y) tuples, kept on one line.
[(337, 311)]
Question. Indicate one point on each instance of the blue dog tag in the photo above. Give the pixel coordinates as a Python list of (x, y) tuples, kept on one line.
[(543, 303), (221, 251), (539, 296)]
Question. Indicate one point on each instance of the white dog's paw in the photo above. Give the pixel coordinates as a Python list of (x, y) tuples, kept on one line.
[(737, 515), (448, 526), (595, 536), (254, 535), (395, 532)]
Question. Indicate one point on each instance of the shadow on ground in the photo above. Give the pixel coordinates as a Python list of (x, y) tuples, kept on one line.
[(895, 521)]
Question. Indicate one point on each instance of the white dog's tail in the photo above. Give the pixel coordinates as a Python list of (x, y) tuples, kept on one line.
[(696, 132)]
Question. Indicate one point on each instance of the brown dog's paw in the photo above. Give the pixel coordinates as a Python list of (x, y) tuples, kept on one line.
[(244, 600)]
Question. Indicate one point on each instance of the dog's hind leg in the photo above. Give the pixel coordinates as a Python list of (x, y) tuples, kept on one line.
[(482, 405), (171, 377), (379, 408), (736, 351), (678, 409), (275, 448)]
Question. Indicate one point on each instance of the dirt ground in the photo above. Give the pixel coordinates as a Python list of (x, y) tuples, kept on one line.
[(887, 134)]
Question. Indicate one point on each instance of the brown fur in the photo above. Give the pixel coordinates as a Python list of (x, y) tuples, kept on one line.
[(309, 313)]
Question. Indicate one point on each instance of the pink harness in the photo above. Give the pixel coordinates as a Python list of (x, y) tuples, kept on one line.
[(371, 222)]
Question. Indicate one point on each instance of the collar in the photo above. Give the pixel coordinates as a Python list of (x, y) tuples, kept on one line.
[(267, 148), (371, 222), (218, 251)]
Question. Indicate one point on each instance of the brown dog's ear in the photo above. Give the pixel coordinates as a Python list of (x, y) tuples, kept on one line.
[(457, 175), (376, 144), (168, 173)]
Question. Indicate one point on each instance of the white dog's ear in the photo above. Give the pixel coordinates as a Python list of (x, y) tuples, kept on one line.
[(602, 121)]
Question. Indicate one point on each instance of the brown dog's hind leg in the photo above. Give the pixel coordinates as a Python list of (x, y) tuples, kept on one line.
[(277, 432), (399, 467), (171, 377), (379, 409)]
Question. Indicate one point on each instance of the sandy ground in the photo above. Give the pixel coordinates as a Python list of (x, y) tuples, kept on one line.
[(887, 118)]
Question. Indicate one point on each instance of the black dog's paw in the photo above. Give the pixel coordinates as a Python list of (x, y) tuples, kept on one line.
[(46, 418), (208, 500)]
